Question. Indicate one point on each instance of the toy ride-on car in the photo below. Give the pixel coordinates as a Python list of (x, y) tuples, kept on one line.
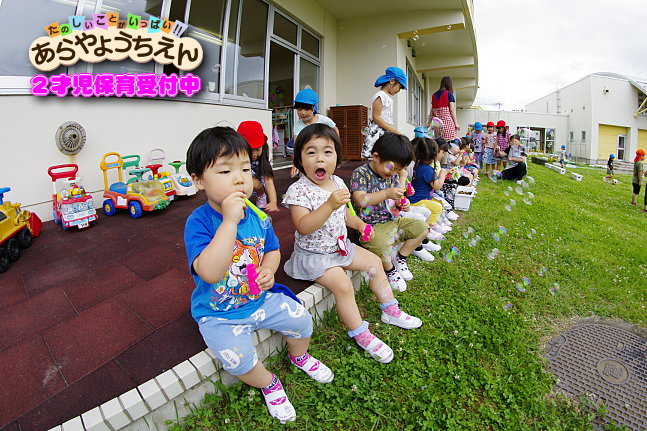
[(182, 184), (137, 197), (17, 228), (72, 206)]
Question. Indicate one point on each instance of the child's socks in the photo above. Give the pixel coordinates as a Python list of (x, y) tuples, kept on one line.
[(373, 345), (392, 315), (313, 368), (277, 401)]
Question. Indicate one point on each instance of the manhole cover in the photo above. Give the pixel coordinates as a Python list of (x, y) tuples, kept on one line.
[(605, 364)]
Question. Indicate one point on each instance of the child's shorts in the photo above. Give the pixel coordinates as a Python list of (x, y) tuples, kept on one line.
[(232, 339), (609, 171), (391, 233)]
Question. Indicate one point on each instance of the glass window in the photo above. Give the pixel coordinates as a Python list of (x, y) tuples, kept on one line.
[(143, 8), (245, 74), (583, 136), (205, 25), (20, 25), (309, 43), (414, 98), (308, 75), (285, 29)]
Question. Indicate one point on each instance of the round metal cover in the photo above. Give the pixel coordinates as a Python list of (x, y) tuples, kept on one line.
[(70, 138), (605, 364)]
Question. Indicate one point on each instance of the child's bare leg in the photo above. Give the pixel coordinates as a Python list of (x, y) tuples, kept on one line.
[(297, 346), (336, 280), (366, 261), (259, 377)]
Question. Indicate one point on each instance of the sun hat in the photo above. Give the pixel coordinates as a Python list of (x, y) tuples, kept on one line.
[(478, 126), (639, 153), (252, 131), (307, 96), (392, 72), (500, 123), (421, 132), (612, 156), (489, 124), (563, 147)]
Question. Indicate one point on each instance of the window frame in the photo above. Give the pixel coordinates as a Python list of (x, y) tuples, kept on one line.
[(415, 102)]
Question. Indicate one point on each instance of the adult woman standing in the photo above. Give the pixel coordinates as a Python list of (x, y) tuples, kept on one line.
[(443, 106)]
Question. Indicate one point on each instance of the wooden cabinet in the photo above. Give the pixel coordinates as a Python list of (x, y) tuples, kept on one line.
[(350, 121)]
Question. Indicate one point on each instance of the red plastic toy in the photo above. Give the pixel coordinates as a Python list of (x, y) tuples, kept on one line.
[(72, 206)]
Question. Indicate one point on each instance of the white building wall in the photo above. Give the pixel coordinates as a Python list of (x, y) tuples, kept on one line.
[(588, 105)]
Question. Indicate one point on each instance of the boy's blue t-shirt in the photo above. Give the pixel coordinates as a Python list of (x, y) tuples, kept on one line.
[(423, 174), (229, 298)]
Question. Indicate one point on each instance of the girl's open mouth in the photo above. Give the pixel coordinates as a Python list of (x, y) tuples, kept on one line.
[(320, 174)]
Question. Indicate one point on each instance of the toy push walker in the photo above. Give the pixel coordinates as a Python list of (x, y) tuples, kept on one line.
[(17, 229), (137, 197), (71, 205), (181, 184)]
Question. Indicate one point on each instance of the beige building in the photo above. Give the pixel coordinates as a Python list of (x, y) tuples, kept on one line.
[(257, 55)]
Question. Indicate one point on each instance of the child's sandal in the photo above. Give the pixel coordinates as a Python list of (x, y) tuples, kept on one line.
[(379, 351)]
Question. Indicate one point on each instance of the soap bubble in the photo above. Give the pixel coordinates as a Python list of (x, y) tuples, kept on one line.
[(416, 37), (520, 287), (507, 207), (368, 275), (267, 223), (506, 192), (493, 254), (543, 270), (531, 233), (468, 232), (513, 202), (531, 180), (366, 212), (525, 281), (493, 177), (474, 240), (507, 305), (553, 289), (383, 46), (364, 201), (452, 254), (519, 190), (365, 131), (531, 195), (502, 230), (498, 235), (527, 201), (216, 68), (524, 184)]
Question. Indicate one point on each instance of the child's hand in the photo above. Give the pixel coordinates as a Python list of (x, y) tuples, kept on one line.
[(394, 193), (406, 205), (265, 278), (233, 207), (271, 207), (338, 198)]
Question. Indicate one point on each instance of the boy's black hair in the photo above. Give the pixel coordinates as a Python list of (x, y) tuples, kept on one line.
[(441, 142), (517, 137), (264, 165), (394, 147), (306, 106), (310, 132), (212, 143)]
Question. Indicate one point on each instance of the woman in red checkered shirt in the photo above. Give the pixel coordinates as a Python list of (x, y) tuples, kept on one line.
[(443, 106)]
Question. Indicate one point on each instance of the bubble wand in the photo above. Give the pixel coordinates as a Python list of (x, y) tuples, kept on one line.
[(252, 275), (254, 208)]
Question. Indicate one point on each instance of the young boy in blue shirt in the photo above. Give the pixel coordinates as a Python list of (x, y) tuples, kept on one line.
[(222, 237)]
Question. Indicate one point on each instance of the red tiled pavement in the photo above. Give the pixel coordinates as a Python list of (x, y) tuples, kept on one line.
[(88, 315)]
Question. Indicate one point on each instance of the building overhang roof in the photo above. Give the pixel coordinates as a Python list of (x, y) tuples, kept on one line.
[(639, 83)]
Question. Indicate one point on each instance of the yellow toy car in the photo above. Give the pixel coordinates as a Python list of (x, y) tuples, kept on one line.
[(17, 228)]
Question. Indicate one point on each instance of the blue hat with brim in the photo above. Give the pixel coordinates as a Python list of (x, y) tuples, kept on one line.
[(308, 97), (478, 126), (421, 132), (392, 73)]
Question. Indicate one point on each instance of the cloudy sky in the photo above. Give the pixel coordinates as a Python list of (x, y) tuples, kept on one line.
[(528, 47)]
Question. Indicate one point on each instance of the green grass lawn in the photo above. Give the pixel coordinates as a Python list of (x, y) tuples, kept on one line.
[(476, 364)]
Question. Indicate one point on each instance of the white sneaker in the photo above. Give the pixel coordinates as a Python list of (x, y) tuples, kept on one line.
[(435, 236), (424, 255), (438, 227), (431, 246), (446, 222), (279, 405), (401, 266), (605, 179), (396, 282), (451, 215), (405, 321)]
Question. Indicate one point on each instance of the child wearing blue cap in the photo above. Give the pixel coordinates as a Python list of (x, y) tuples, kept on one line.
[(610, 174), (381, 115), (477, 136)]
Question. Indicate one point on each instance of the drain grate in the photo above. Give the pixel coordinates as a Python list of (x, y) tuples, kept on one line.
[(608, 365)]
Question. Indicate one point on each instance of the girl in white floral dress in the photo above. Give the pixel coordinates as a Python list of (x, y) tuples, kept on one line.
[(318, 204)]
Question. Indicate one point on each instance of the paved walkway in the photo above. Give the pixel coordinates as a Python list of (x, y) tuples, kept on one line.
[(88, 315)]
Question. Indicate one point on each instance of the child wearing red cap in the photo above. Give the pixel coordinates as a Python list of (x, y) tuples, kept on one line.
[(262, 170), (503, 142), (489, 145)]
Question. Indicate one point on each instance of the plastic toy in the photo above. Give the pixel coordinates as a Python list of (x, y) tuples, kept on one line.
[(71, 205), (251, 279), (17, 229), (368, 229), (164, 178), (137, 196), (254, 208), (182, 184)]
